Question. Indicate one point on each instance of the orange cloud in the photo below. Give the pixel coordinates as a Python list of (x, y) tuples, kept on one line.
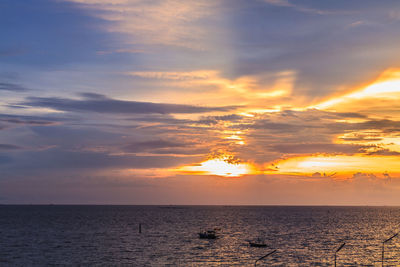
[(374, 98), (209, 86), (343, 165)]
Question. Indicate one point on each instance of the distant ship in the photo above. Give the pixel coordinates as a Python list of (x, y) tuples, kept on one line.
[(258, 243)]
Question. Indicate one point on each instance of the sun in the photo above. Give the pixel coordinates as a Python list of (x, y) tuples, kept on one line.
[(221, 166)]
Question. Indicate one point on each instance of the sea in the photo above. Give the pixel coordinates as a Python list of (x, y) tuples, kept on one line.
[(75, 235)]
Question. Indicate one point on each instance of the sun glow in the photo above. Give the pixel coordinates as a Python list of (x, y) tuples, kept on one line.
[(221, 166), (387, 86), (341, 164)]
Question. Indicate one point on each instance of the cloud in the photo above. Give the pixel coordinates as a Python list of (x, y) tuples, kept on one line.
[(101, 104), (28, 120), (8, 147), (384, 125), (270, 136), (315, 123), (150, 145), (56, 159), (311, 148), (209, 120), (286, 3), (172, 148), (161, 118), (201, 151), (384, 152), (158, 22), (349, 115), (213, 87), (12, 87), (177, 76)]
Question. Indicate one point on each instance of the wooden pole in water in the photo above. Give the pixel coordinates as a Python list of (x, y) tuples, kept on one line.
[(272, 252), (341, 246), (335, 259), (383, 246), (140, 228)]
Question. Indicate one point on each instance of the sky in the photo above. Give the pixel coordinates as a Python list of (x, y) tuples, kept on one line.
[(225, 102)]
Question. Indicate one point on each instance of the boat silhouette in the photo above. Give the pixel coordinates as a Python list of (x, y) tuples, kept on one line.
[(207, 234), (258, 243)]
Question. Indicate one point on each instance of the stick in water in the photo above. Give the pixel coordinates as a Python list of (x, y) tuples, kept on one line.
[(263, 257)]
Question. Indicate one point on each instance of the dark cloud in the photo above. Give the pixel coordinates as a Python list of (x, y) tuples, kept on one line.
[(310, 148), (102, 104), (73, 137), (204, 120), (154, 144), (63, 160), (215, 119), (350, 115), (273, 135), (28, 120), (164, 118), (4, 86), (281, 126), (317, 122), (380, 124), (182, 151), (322, 175), (93, 96), (360, 175), (16, 106), (384, 152), (8, 147), (361, 138), (165, 147), (385, 125), (316, 114)]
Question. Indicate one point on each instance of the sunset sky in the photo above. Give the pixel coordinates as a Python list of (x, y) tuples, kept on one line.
[(261, 102)]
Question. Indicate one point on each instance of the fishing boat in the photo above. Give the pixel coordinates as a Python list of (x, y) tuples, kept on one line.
[(209, 234), (258, 243)]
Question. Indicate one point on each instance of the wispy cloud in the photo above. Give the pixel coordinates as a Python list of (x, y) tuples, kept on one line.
[(312, 148), (286, 3), (28, 120), (8, 147), (170, 22), (102, 104), (212, 87), (4, 86), (151, 145)]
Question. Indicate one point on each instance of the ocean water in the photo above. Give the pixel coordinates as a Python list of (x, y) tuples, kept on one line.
[(108, 235)]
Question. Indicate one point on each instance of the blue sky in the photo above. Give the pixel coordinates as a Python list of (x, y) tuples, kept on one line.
[(141, 102)]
